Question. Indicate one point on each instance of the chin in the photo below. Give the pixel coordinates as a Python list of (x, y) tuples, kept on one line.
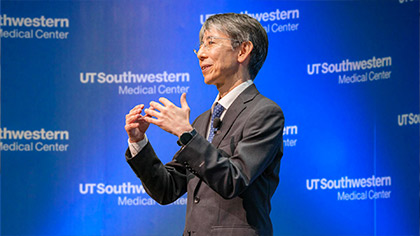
[(208, 80), (211, 79)]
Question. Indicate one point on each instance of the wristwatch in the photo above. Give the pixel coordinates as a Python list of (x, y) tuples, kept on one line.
[(186, 137)]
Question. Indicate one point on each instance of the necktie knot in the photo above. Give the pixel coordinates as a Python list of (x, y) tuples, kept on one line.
[(217, 111)]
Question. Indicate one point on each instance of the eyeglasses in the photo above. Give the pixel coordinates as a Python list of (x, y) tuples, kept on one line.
[(210, 42)]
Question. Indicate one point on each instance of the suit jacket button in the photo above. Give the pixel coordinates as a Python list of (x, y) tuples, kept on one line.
[(196, 200)]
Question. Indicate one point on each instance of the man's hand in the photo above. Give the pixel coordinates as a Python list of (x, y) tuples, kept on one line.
[(136, 124), (173, 119)]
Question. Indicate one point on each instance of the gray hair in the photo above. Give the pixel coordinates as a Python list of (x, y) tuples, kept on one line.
[(241, 28)]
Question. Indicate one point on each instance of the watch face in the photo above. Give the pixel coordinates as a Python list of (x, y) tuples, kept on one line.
[(185, 137)]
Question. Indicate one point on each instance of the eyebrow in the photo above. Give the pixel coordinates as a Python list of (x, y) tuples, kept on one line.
[(208, 37)]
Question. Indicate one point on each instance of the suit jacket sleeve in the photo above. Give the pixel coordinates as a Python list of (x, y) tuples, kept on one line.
[(248, 149), (164, 183)]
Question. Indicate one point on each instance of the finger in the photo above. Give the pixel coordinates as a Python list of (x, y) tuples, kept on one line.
[(157, 106), (139, 106), (183, 99), (129, 115), (151, 113), (129, 127), (166, 102), (132, 119), (137, 109), (142, 117), (151, 120), (134, 111), (147, 115)]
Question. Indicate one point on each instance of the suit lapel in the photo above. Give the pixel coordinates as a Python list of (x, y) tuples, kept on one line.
[(202, 123), (232, 114)]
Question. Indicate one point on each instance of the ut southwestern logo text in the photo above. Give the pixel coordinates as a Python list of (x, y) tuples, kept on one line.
[(347, 65), (126, 188), (345, 186), (22, 140), (349, 70), (291, 130), (33, 27), (272, 21), (129, 77), (169, 83), (345, 182), (275, 15), (408, 119), (101, 188)]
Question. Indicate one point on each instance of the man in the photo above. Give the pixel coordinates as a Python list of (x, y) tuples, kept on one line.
[(230, 157)]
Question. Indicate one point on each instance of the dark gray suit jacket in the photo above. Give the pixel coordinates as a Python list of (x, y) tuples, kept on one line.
[(230, 181)]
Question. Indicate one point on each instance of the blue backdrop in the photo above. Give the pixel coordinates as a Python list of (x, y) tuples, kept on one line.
[(346, 74)]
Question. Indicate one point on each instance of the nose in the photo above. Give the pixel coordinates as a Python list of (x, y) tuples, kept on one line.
[(201, 54)]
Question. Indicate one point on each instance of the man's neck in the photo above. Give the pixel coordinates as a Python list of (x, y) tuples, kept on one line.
[(226, 88), (233, 83)]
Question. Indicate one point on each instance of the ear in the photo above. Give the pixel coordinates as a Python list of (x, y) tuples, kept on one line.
[(245, 51)]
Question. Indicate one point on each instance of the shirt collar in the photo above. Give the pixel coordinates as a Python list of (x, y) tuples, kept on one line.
[(229, 98)]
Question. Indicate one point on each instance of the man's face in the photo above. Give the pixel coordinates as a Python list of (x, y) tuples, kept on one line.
[(218, 60)]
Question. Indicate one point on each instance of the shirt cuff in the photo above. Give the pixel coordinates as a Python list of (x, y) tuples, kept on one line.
[(135, 148)]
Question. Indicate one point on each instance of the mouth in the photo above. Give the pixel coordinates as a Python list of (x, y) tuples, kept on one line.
[(205, 67)]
